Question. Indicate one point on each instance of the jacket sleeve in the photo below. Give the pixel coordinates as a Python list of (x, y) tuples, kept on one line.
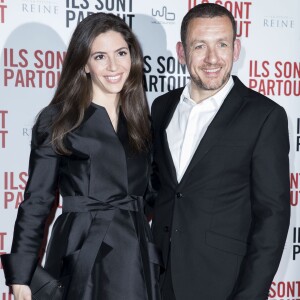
[(270, 209), (154, 182), (39, 196), (151, 192)]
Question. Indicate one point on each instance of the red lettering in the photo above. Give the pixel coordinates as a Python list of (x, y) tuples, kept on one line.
[(242, 28), (7, 296), (24, 62), (276, 87), (10, 60), (49, 59), (23, 178), (287, 69), (9, 181), (294, 198), (256, 72), (3, 134), (3, 115), (8, 74), (10, 197), (238, 9), (2, 10), (2, 235), (284, 289), (272, 292), (37, 56), (294, 180)]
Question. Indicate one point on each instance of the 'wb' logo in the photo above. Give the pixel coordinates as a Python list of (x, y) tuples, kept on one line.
[(169, 16)]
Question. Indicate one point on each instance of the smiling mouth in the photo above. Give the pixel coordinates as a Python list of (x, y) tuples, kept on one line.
[(212, 71), (113, 79)]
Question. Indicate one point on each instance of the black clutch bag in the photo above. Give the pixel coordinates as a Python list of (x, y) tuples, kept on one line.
[(44, 287)]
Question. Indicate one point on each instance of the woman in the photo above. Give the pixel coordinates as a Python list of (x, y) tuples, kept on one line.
[(92, 144)]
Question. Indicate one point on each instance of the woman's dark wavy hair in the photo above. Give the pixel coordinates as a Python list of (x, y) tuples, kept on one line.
[(74, 91)]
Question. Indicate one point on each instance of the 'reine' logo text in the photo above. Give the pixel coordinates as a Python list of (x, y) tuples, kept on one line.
[(277, 22), (43, 7)]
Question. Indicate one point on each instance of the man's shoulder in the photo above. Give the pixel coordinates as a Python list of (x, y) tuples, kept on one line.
[(165, 99), (253, 97)]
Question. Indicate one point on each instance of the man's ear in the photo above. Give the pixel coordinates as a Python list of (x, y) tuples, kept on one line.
[(180, 53), (236, 49)]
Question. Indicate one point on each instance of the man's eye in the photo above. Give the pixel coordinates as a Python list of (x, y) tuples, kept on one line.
[(199, 46), (223, 45)]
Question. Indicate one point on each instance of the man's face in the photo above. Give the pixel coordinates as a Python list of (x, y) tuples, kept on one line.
[(209, 54)]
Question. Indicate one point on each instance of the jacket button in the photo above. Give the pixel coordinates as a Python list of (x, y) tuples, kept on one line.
[(179, 195), (59, 285), (166, 228)]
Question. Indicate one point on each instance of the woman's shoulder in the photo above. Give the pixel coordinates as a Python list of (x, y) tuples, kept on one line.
[(42, 129), (47, 115)]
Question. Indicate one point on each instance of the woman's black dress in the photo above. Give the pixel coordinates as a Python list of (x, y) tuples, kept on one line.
[(101, 241)]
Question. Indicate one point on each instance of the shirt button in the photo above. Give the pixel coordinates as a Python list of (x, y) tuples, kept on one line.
[(179, 195)]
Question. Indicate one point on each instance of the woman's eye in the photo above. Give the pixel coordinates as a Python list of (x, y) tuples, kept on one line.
[(99, 57), (122, 53)]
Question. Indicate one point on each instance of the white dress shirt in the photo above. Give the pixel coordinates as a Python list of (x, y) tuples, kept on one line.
[(189, 124)]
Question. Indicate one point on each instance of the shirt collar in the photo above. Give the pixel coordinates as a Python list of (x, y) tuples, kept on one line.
[(216, 99)]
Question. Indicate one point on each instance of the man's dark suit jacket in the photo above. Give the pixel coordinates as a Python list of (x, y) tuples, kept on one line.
[(226, 222)]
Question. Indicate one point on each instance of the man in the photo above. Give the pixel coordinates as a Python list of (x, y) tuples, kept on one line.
[(221, 159)]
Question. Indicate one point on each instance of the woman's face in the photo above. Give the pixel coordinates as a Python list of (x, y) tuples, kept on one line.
[(108, 65)]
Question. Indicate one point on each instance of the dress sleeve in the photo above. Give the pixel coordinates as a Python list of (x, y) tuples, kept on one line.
[(151, 191), (39, 196)]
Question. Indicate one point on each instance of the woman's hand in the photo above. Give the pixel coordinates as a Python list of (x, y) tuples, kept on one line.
[(21, 292)]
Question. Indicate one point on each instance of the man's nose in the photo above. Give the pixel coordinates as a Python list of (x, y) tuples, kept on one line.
[(211, 55)]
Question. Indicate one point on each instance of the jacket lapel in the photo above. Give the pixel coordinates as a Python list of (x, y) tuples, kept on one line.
[(227, 112), (173, 102)]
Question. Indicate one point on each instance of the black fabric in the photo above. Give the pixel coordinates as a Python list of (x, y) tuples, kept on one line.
[(228, 217), (102, 239), (167, 290), (44, 287)]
